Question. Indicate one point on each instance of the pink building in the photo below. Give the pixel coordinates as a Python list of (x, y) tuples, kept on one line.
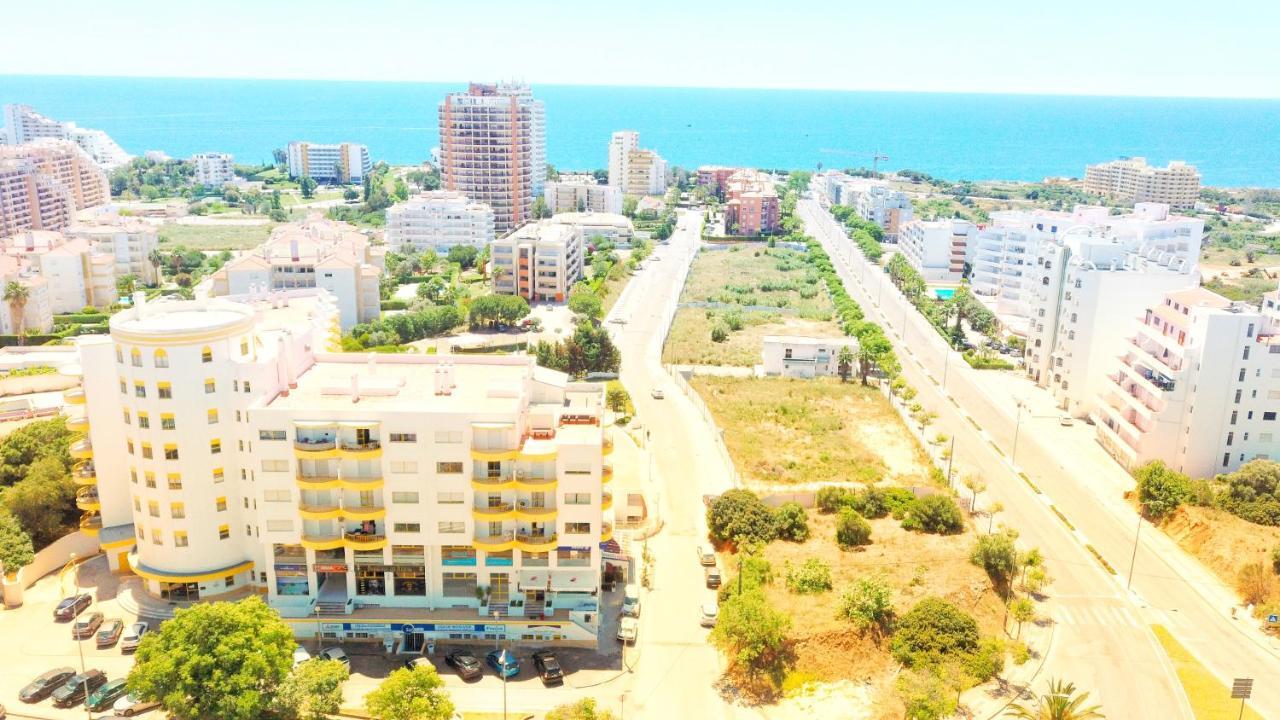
[(751, 204)]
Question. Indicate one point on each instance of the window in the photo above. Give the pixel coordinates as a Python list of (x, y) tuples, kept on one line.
[(404, 466), (404, 437), (126, 418), (220, 504), (139, 390), (1241, 376), (133, 475), (449, 468), (164, 390), (1226, 459), (206, 354), (123, 387), (167, 422), (150, 479), (129, 446), (404, 498), (119, 355), (155, 537), (144, 420), (1246, 353), (153, 508), (1230, 437), (177, 511), (218, 475), (577, 498), (137, 504), (175, 481), (285, 525), (161, 358), (1268, 415), (212, 415), (146, 450), (215, 447), (135, 357), (451, 527), (276, 496), (407, 527), (271, 435), (275, 466), (210, 385), (577, 528), (448, 436), (246, 386), (179, 538), (1238, 394), (244, 346), (229, 580), (224, 532), (450, 498), (170, 452)]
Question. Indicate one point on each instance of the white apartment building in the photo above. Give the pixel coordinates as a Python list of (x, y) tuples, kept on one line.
[(75, 273), (214, 169), (314, 253), (591, 225), (620, 146), (128, 240), (539, 262), (493, 149), (340, 163), (646, 173), (1196, 385), (43, 183), (439, 220), (579, 193), (409, 498), (22, 125), (1132, 180), (936, 248), (37, 313), (884, 206), (804, 357)]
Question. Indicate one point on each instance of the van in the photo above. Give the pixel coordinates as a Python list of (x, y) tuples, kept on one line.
[(631, 601), (706, 554)]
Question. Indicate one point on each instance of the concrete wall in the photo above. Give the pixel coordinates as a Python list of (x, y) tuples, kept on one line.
[(48, 560)]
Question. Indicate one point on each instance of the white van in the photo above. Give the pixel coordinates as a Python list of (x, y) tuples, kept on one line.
[(631, 601)]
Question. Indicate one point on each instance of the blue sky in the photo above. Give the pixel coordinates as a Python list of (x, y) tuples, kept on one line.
[(1225, 48)]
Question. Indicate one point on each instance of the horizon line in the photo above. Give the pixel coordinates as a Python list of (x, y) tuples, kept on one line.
[(464, 83)]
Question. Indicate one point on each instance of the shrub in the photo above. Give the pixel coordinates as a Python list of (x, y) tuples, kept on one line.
[(810, 577), (1160, 489), (831, 498), (791, 523), (1255, 583), (987, 661), (925, 696), (937, 514), (16, 550), (852, 529), (753, 635), (738, 515), (869, 604), (871, 503), (932, 632), (1275, 560), (733, 320), (719, 333), (997, 556), (898, 500)]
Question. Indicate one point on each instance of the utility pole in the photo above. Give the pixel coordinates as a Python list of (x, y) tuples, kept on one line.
[(1013, 455), (75, 582), (1133, 559), (951, 456)]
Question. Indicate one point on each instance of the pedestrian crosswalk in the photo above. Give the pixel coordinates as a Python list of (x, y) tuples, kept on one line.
[(1104, 615)]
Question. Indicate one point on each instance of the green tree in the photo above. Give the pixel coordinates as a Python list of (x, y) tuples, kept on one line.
[(1160, 489), (1022, 610), (752, 635), (417, 694), (31, 442), (401, 190), (350, 194), (540, 209), (844, 363), (43, 501), (617, 398), (1059, 702), (933, 632), (925, 696), (937, 514), (16, 294), (217, 660), (16, 550), (313, 690), (464, 255), (308, 186), (790, 522), (852, 530), (997, 555), (584, 709), (585, 303), (629, 204), (869, 604), (126, 284), (740, 516)]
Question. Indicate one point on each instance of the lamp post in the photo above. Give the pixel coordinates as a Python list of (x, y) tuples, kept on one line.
[(75, 584), (1013, 455), (503, 658), (1133, 559)]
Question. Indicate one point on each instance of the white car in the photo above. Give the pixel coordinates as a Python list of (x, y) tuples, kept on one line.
[(300, 655), (335, 653), (708, 613), (657, 393), (628, 630), (631, 601), (133, 636)]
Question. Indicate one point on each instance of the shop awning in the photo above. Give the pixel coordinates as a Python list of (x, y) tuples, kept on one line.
[(569, 581), (535, 579), (150, 573)]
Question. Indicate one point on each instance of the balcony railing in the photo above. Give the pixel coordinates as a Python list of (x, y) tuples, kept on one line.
[(314, 445), (360, 446), (365, 538)]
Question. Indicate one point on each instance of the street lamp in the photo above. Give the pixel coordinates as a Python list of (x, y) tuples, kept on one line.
[(1013, 455), (75, 584), (1133, 559), (504, 657)]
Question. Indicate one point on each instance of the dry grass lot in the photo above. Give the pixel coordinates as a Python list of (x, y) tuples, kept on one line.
[(214, 237), (785, 431), (747, 274)]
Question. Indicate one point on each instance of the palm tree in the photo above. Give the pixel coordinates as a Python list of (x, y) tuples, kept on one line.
[(1060, 703), (844, 363), (16, 294), (867, 357)]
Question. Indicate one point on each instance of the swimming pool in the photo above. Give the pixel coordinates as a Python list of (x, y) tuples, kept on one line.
[(944, 293)]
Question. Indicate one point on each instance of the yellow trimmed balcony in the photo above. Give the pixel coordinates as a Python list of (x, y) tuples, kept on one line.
[(84, 473), (324, 511), (322, 541), (78, 423), (361, 483), (361, 450), (606, 501), (493, 454), (318, 482), (539, 542), (493, 483), (82, 449), (606, 474), (87, 499), (606, 532), (606, 445), (536, 514), (360, 541), (315, 450), (91, 524), (494, 543), (503, 511), (534, 484), (364, 512), (74, 396)]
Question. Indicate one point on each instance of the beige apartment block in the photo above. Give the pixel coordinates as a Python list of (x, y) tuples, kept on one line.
[(539, 262), (1132, 180)]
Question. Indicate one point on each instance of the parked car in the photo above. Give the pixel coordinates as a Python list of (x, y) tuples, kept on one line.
[(712, 576), (628, 630), (109, 632), (1066, 420), (43, 686), (72, 606), (300, 655), (133, 636), (335, 653), (657, 394), (631, 601), (86, 625), (106, 696), (708, 613), (128, 706), (78, 689), (507, 669), (418, 662), (706, 554), (548, 667), (467, 665)]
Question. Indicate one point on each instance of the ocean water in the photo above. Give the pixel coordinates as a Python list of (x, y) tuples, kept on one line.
[(956, 136)]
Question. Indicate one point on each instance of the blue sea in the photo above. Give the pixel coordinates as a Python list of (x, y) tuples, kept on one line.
[(955, 136)]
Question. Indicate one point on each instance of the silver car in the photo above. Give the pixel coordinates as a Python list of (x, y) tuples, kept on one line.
[(133, 636)]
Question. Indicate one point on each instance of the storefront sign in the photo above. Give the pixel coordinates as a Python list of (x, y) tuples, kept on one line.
[(374, 568), (329, 567), (281, 567)]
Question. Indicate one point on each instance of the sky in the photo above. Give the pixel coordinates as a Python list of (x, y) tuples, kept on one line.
[(1224, 48)]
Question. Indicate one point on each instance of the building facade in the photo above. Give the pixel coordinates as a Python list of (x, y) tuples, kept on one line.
[(646, 173), (463, 496), (620, 146), (439, 220), (582, 193), (539, 262), (340, 163), (493, 149), (128, 240), (76, 275), (591, 225), (715, 178), (936, 248), (1132, 180), (1196, 386), (884, 206), (214, 169), (22, 125), (43, 184), (805, 357), (37, 313), (751, 204)]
